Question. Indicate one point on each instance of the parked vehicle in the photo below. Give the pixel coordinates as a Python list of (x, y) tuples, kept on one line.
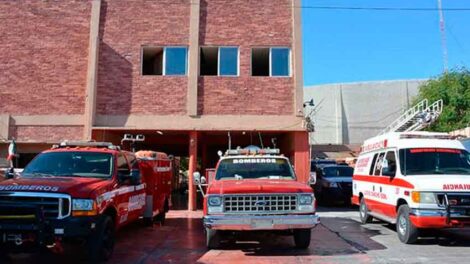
[(256, 189), (416, 180), (466, 143), (81, 191), (315, 164), (334, 183)]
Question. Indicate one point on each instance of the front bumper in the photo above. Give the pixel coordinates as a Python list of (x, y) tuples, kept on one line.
[(439, 218), (42, 232), (264, 222)]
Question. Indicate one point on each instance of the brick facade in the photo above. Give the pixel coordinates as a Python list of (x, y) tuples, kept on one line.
[(125, 27), (44, 49), (47, 133), (43, 56), (246, 24)]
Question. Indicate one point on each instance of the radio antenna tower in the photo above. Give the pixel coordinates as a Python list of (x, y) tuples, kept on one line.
[(443, 36)]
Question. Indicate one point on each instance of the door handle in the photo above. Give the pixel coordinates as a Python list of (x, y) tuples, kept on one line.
[(380, 188), (373, 188)]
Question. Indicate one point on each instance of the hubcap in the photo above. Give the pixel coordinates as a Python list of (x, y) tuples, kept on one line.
[(362, 211), (402, 225)]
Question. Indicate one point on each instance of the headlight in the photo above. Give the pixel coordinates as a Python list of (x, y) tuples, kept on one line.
[(306, 199), (82, 204), (423, 197), (215, 200)]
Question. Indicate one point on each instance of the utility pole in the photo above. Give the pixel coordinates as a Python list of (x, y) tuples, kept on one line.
[(443, 36)]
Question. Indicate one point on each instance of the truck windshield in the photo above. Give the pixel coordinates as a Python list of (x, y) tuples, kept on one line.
[(79, 164), (338, 171), (421, 161), (254, 168)]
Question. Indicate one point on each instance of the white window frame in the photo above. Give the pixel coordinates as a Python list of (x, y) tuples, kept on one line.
[(289, 62), (164, 61), (218, 61), (270, 61), (238, 61)]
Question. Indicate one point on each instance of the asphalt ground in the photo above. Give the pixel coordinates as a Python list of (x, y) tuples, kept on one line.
[(340, 238)]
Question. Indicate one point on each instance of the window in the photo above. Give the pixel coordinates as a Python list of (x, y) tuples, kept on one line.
[(164, 60), (123, 167), (254, 168), (391, 162), (70, 164), (371, 172), (434, 161), (378, 164), (219, 61), (270, 62)]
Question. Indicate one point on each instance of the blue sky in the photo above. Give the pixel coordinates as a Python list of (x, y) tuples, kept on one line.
[(363, 45)]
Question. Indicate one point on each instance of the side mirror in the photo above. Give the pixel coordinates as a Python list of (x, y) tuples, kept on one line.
[(313, 178), (203, 180), (196, 178), (10, 174)]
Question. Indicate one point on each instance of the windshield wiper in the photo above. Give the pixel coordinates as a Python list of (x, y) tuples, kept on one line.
[(38, 174)]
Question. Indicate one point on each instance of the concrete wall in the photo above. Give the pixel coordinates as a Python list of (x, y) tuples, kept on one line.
[(352, 112)]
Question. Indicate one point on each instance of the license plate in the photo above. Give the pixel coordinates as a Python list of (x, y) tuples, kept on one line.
[(261, 223)]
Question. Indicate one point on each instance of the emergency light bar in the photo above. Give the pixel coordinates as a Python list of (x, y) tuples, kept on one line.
[(94, 144), (415, 136), (232, 152)]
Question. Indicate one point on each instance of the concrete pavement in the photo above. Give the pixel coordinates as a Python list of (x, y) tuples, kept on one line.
[(339, 239)]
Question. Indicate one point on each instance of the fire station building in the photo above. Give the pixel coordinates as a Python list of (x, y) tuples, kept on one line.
[(183, 73)]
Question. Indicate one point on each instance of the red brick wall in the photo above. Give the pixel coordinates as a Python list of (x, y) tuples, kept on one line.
[(125, 27), (43, 56), (246, 24), (47, 133)]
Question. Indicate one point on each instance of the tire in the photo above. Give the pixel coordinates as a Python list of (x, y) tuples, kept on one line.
[(101, 242), (147, 221), (160, 218), (406, 231), (364, 212), (302, 238), (212, 238)]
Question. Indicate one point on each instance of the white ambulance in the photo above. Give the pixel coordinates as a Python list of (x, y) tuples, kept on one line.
[(415, 180)]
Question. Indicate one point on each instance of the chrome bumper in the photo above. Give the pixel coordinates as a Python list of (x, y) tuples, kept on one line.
[(453, 213), (265, 222)]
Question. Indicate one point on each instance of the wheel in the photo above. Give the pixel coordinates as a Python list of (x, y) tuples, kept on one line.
[(302, 238), (407, 232), (148, 221), (160, 218), (212, 238), (364, 212), (101, 242)]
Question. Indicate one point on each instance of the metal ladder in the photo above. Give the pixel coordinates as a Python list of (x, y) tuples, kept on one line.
[(416, 118)]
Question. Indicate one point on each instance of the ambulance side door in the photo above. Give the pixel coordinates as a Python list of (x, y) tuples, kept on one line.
[(371, 193), (388, 192)]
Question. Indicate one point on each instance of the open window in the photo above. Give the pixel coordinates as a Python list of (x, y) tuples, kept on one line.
[(270, 62), (219, 61), (164, 60)]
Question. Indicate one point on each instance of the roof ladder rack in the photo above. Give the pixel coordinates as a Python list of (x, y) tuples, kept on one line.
[(416, 118)]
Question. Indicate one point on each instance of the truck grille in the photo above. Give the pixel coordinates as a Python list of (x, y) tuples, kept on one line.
[(454, 199), (263, 204), (53, 206)]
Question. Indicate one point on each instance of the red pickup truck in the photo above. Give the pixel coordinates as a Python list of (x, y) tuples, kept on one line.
[(256, 189), (82, 191)]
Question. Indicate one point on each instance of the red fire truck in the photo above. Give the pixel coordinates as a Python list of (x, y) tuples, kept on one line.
[(82, 191), (256, 189)]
